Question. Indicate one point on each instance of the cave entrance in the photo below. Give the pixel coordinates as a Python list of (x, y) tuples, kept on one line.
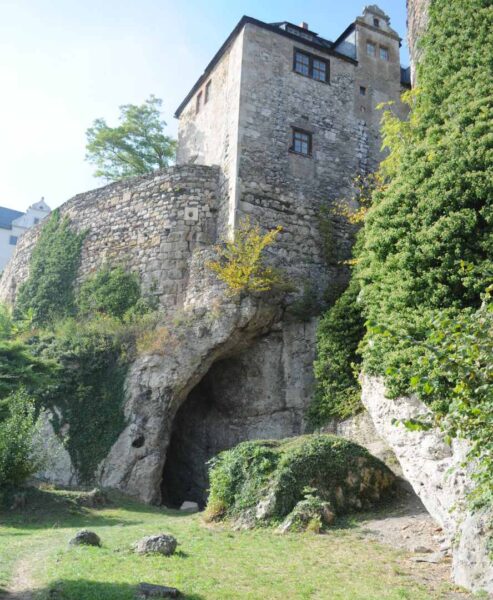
[(242, 397), (201, 429)]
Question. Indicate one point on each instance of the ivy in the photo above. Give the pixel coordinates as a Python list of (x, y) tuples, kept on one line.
[(427, 248), (48, 292), (340, 331)]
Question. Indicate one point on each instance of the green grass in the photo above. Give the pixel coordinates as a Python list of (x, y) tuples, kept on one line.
[(212, 563)]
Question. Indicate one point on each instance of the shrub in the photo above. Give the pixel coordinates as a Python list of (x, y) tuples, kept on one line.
[(241, 264), (340, 331), (111, 291), (19, 456), (48, 292)]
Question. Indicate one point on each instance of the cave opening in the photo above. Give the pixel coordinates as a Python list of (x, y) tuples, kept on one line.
[(246, 396)]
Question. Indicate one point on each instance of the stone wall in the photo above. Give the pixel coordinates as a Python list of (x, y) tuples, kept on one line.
[(151, 225), (417, 20)]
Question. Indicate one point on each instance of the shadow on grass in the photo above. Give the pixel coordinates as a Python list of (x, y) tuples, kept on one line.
[(82, 589), (47, 509)]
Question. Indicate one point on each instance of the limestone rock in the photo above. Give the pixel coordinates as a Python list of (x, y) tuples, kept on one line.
[(436, 472), (96, 498), (85, 538), (149, 590), (312, 513), (156, 544), (190, 507)]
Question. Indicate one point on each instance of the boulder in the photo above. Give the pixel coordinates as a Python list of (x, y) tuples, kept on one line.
[(190, 507), (85, 538), (156, 544), (311, 514)]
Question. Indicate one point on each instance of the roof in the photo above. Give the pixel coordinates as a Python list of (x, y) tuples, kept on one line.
[(320, 44), (7, 215)]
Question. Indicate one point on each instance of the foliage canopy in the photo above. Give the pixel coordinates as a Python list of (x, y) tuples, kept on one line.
[(138, 145)]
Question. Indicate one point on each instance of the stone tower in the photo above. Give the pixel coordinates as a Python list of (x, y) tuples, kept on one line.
[(417, 19), (291, 119)]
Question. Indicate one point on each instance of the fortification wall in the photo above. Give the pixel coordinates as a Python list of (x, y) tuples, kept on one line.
[(151, 225)]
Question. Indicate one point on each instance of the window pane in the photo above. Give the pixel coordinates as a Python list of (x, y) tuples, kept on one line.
[(319, 70), (370, 49), (384, 53), (301, 142), (302, 63)]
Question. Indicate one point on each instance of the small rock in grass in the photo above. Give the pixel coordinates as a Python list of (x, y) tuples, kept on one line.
[(422, 550), (435, 558), (148, 590), (191, 507), (85, 538), (156, 544), (96, 498)]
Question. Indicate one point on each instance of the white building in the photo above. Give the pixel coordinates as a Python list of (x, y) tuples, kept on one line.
[(14, 223)]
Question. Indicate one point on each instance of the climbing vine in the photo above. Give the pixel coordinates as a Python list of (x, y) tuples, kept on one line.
[(48, 292)]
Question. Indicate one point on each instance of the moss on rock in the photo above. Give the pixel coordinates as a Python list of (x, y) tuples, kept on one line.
[(263, 481)]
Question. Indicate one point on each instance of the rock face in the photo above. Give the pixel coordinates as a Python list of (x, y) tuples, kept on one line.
[(417, 20), (436, 472)]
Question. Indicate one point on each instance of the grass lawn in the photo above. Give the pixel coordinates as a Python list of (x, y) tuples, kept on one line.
[(212, 563)]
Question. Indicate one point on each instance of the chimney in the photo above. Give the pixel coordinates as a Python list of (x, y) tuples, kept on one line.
[(303, 25)]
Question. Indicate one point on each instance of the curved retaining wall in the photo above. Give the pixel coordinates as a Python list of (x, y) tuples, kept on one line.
[(150, 224)]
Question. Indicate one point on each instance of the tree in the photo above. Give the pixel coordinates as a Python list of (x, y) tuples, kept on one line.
[(135, 147)]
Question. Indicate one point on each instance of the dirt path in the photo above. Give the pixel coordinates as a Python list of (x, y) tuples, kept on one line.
[(408, 526), (21, 587)]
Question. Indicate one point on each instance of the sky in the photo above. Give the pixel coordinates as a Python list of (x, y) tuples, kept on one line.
[(64, 63)]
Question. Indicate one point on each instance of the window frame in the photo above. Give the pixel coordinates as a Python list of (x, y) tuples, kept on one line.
[(13, 239), (370, 44), (198, 102), (308, 134), (311, 58), (376, 22), (207, 91), (385, 50), (362, 90)]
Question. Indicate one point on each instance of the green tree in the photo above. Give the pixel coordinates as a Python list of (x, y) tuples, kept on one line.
[(136, 146)]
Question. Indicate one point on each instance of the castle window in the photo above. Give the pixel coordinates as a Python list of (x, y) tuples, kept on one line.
[(207, 92), (319, 70), (199, 102), (376, 22), (310, 65), (13, 240), (302, 63), (371, 49), (362, 90), (301, 142), (384, 53)]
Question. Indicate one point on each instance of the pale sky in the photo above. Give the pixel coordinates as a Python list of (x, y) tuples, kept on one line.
[(64, 63)]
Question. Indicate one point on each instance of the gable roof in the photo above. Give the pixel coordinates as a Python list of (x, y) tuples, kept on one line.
[(7, 215)]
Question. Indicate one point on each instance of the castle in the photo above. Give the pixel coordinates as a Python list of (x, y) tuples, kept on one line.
[(276, 129)]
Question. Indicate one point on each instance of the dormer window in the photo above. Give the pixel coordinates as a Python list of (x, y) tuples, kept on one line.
[(371, 49), (384, 53), (376, 22), (310, 65), (198, 102)]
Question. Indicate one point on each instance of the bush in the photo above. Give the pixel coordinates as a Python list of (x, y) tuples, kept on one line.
[(277, 473), (340, 331), (19, 458), (241, 265), (48, 292), (113, 292)]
